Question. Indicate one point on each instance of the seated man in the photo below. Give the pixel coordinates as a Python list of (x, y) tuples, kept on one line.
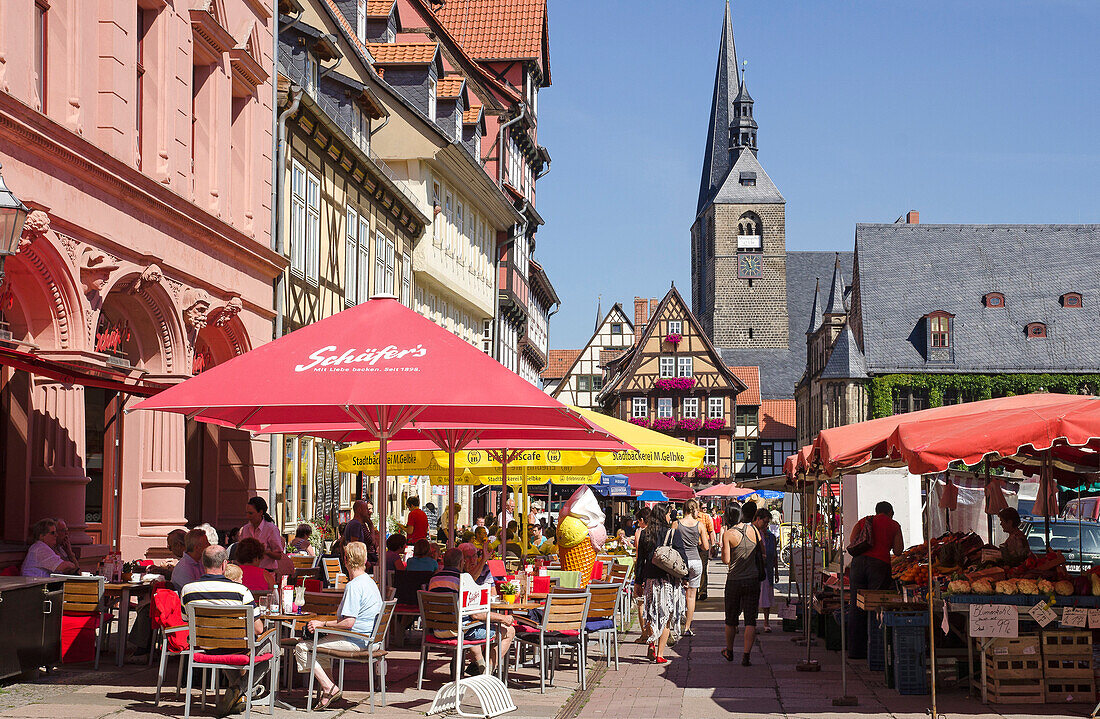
[(449, 579), (189, 567), (213, 587)]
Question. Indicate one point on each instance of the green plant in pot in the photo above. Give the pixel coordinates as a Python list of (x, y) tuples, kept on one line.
[(509, 590)]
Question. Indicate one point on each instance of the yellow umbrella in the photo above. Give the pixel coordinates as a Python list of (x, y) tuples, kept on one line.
[(653, 451)]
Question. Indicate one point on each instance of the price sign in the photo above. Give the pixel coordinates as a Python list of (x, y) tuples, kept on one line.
[(1094, 619), (1075, 617), (994, 620), (1042, 614)]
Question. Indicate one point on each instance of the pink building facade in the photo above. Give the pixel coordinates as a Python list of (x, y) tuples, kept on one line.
[(140, 135)]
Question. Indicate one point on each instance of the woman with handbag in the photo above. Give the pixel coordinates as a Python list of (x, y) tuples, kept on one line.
[(742, 552), (663, 570), (692, 541)]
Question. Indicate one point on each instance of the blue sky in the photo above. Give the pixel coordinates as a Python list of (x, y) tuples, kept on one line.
[(965, 111)]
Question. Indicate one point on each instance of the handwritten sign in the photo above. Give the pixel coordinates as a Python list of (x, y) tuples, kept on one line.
[(1042, 614), (994, 620), (1075, 617), (1094, 619)]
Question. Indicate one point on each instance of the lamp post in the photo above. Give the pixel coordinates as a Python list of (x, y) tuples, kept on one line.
[(13, 213)]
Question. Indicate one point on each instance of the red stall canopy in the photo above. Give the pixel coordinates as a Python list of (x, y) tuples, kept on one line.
[(676, 491)]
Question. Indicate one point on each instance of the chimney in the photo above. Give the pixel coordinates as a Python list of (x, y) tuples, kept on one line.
[(912, 217), (641, 316)]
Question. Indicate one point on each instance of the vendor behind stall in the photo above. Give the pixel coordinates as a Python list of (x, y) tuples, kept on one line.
[(1015, 549)]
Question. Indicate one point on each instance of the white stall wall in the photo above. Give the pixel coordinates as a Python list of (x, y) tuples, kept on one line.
[(861, 492)]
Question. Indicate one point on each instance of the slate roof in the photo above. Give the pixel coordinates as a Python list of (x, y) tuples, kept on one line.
[(763, 192), (815, 311), (558, 363), (836, 304), (407, 53), (716, 156), (780, 369), (496, 29), (845, 359), (750, 377), (777, 419), (955, 265)]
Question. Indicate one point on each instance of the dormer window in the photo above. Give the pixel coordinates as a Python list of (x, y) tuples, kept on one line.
[(1036, 329), (1071, 299), (994, 300), (675, 327), (431, 98), (361, 20), (747, 179), (312, 68)]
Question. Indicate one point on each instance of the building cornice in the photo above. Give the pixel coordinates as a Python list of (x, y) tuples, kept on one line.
[(58, 146)]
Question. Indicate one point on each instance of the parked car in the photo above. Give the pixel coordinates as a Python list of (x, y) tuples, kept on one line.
[(1085, 507), (1065, 538)]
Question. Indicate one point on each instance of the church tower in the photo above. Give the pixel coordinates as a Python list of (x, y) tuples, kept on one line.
[(738, 239)]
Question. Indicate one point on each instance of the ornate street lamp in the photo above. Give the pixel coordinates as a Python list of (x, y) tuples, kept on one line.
[(13, 213)]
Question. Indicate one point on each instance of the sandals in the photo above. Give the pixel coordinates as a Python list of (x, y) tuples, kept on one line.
[(727, 655), (661, 660), (328, 699)]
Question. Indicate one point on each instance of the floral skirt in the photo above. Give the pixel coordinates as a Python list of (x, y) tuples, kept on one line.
[(664, 605)]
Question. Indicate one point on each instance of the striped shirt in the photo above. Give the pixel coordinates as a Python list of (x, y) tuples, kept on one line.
[(216, 589)]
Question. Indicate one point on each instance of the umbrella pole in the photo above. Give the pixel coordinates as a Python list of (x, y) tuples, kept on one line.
[(523, 524), (844, 700), (450, 497), (383, 496), (1044, 488), (931, 617), (988, 516), (810, 665)]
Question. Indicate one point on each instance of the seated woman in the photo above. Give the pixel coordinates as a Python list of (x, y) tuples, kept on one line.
[(42, 559), (301, 542), (395, 551), (422, 559), (253, 576), (358, 611), (1015, 549)]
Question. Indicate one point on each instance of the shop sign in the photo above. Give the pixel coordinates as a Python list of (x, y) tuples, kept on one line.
[(1042, 614), (109, 336), (994, 620)]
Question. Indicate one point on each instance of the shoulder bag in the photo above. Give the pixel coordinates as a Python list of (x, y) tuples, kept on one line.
[(864, 537), (668, 560)]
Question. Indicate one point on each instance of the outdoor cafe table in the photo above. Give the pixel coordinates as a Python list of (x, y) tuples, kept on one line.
[(123, 591), (283, 620)]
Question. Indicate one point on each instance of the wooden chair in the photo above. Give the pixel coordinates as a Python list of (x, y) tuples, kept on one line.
[(303, 561), (622, 575), (330, 570), (562, 627), (603, 611), (224, 637), (439, 612), (375, 650), (83, 597)]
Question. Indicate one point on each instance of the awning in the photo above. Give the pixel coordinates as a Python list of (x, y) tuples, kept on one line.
[(613, 485), (72, 374), (676, 491)]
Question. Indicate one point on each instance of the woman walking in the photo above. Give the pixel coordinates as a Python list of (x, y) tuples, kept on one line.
[(740, 543), (692, 541), (641, 519), (663, 607)]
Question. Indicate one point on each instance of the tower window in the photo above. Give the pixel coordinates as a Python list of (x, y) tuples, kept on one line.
[(750, 333), (1071, 299), (994, 300), (940, 326), (1036, 329)]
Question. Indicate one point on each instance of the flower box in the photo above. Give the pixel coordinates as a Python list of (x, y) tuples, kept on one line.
[(673, 338), (690, 424), (713, 424), (708, 471), (667, 383), (664, 424), (640, 421)]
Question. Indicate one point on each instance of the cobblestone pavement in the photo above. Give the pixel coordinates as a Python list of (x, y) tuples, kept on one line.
[(698, 684)]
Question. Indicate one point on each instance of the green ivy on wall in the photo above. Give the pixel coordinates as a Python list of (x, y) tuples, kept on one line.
[(974, 386)]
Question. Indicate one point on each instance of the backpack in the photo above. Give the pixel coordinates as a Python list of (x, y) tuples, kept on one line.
[(864, 537), (668, 560)]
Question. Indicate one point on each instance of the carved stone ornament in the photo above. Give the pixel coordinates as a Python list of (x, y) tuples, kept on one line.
[(232, 308), (95, 269), (35, 228), (152, 275), (196, 305)]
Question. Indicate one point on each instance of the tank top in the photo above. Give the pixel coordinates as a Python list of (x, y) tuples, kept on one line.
[(742, 567), (686, 541)]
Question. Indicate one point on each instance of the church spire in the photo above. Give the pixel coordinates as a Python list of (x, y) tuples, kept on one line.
[(836, 293), (716, 161), (743, 126), (815, 312)]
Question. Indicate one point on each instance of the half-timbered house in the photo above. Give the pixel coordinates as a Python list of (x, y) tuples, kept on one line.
[(673, 380)]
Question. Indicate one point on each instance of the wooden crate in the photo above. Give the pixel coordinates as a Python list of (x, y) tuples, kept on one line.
[(875, 598), (1070, 691), (1067, 641), (1026, 646), (1015, 691), (1068, 666), (1014, 667)]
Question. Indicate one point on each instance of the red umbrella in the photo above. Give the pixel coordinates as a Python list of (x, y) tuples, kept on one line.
[(724, 491), (378, 367), (676, 491)]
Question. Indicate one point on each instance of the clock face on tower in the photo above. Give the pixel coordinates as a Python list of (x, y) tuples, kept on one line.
[(750, 265)]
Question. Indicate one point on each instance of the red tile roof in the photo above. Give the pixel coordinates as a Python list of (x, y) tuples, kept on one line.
[(777, 418), (379, 8), (450, 86), (608, 355), (558, 363), (496, 29), (750, 376), (469, 117), (407, 53)]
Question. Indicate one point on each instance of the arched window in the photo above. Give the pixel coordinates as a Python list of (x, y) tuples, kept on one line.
[(1072, 299), (750, 233), (1036, 329), (994, 300)]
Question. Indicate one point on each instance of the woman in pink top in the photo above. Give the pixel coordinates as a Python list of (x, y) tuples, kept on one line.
[(253, 576), (261, 526)]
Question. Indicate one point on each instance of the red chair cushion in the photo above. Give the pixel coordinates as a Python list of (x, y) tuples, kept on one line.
[(237, 660), (407, 609), (78, 637), (496, 567), (432, 639), (597, 571), (535, 630)]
